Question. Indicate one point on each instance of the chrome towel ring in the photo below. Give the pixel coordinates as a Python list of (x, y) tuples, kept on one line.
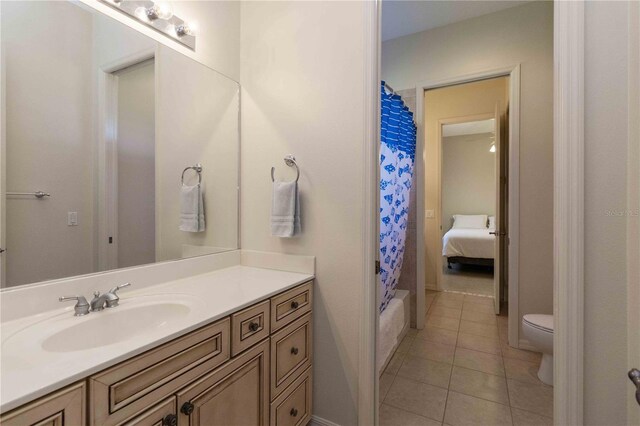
[(197, 168), (290, 161)]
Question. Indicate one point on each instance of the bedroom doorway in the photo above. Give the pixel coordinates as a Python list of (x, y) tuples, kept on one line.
[(466, 186)]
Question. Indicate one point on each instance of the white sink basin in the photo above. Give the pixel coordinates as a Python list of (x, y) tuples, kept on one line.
[(141, 318), (114, 325)]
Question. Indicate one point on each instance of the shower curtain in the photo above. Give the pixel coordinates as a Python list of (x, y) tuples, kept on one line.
[(397, 153)]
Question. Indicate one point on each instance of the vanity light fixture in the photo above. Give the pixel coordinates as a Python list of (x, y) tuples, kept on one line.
[(158, 16)]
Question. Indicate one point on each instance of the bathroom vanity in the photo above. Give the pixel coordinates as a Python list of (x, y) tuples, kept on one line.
[(252, 367)]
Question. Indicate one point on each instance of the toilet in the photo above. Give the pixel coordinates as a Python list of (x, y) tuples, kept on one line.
[(538, 330)]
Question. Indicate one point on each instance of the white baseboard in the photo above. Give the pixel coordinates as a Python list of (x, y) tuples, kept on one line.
[(525, 345), (319, 421)]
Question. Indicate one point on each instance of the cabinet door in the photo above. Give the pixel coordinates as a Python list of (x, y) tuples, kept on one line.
[(234, 394), (62, 408)]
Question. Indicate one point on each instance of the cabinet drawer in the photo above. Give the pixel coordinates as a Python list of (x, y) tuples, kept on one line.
[(248, 327), (293, 407), (163, 414), (291, 353), (63, 408), (291, 305), (131, 387)]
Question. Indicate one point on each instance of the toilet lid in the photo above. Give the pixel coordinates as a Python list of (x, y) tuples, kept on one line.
[(542, 322)]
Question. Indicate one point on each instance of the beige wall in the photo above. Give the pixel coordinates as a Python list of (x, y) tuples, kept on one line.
[(136, 239), (519, 35), (58, 162), (468, 177), (304, 95), (462, 101)]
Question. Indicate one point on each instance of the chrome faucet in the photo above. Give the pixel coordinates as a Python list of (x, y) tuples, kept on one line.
[(109, 300)]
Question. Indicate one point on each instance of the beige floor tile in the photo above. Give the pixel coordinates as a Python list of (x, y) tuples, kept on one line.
[(475, 307), (480, 317), (443, 311), (448, 303), (443, 322), (525, 418), (479, 384), (479, 343), (480, 361), (426, 371), (509, 352), (404, 346), (433, 351), (445, 295), (468, 410), (418, 398), (385, 384), (395, 363), (503, 334), (470, 298), (478, 329), (411, 332), (524, 371), (392, 416), (536, 399), (438, 335)]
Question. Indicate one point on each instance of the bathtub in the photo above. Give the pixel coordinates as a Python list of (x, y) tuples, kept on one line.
[(394, 324)]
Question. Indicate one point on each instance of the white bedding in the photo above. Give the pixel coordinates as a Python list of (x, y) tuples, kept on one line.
[(467, 242)]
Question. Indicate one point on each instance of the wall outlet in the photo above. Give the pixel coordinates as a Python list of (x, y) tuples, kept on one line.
[(72, 218), (430, 214)]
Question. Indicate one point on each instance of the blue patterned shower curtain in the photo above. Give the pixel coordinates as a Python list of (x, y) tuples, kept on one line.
[(397, 153)]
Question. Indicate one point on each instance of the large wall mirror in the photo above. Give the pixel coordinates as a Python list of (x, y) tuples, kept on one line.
[(117, 150)]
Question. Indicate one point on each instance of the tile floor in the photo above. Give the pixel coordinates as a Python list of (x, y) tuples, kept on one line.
[(459, 370)]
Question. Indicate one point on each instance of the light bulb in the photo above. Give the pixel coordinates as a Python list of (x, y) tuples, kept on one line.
[(141, 14), (164, 10), (186, 29)]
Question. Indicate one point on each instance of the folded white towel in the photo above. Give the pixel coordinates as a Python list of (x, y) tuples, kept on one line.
[(191, 209), (285, 210)]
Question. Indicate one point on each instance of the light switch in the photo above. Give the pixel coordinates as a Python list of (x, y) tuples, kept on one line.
[(72, 218), (430, 214)]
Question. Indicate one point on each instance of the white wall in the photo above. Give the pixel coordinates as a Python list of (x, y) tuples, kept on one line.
[(58, 162), (303, 93), (606, 220), (468, 177), (523, 35)]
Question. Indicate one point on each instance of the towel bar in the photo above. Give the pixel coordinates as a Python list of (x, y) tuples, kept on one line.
[(197, 168), (290, 161)]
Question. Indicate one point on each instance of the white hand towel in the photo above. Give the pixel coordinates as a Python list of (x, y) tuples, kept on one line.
[(285, 210), (191, 209)]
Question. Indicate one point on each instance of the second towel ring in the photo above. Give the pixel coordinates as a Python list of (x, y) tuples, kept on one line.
[(290, 161), (198, 170)]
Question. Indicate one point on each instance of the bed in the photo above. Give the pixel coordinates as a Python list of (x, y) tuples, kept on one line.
[(469, 242)]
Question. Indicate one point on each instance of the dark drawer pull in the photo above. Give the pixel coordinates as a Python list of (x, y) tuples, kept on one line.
[(293, 412), (187, 408), (294, 350), (294, 305), (170, 420), (254, 326)]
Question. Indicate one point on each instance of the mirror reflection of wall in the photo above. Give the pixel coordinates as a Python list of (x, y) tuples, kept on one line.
[(104, 119)]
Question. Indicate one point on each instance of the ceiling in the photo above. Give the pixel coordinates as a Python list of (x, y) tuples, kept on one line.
[(400, 17), (468, 128)]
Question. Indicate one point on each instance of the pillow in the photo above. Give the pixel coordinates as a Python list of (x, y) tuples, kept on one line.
[(492, 222), (469, 221)]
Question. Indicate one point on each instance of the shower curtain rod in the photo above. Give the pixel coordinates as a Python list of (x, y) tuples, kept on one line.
[(389, 88)]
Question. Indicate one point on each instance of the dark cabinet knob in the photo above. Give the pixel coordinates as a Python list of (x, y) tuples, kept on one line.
[(187, 408), (294, 350), (293, 412), (294, 305), (254, 326), (170, 420)]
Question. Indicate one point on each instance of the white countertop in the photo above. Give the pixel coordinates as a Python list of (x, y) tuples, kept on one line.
[(27, 371)]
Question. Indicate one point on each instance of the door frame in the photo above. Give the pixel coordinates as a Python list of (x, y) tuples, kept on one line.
[(439, 221), (107, 155), (513, 72)]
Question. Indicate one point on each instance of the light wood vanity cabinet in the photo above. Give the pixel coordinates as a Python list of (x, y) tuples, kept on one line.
[(251, 368)]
